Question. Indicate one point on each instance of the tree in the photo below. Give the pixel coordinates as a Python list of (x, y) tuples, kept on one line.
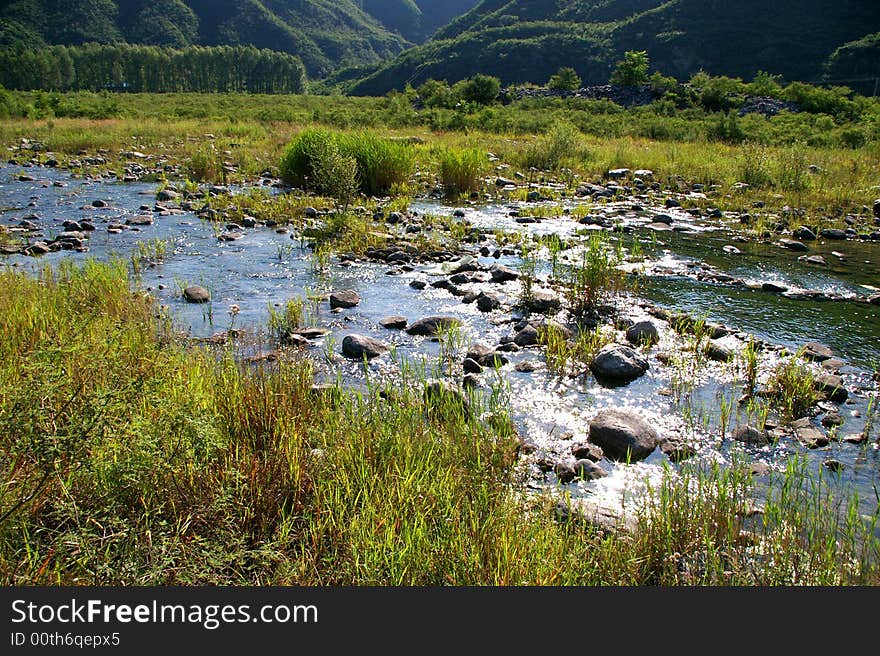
[(480, 89), (632, 70), (566, 79)]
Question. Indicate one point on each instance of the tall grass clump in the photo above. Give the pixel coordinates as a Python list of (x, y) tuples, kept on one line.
[(754, 166), (382, 164), (596, 280), (326, 161), (461, 170), (304, 156), (792, 386), (561, 143)]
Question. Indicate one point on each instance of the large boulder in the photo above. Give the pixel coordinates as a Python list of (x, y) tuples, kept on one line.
[(432, 326), (359, 347), (623, 435), (617, 364)]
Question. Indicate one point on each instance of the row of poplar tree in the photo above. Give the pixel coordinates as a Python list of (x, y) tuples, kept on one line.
[(151, 69)]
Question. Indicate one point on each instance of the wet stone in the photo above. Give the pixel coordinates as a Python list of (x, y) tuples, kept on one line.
[(587, 451), (432, 326), (618, 364), (589, 470), (817, 352), (196, 294), (750, 435), (359, 347), (811, 437), (393, 323), (347, 298), (623, 435), (643, 333), (832, 386), (528, 336)]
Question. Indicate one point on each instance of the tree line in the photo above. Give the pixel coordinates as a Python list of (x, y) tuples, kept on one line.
[(151, 69)]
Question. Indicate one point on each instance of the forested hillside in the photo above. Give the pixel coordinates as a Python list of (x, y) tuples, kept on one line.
[(323, 33), (527, 41)]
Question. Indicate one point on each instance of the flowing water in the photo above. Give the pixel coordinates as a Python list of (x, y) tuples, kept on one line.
[(687, 268)]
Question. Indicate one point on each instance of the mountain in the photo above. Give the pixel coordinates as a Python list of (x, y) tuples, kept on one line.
[(529, 40), (416, 20), (325, 34)]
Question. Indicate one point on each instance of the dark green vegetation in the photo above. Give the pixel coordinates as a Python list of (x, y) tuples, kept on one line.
[(323, 33), (522, 41), (130, 457), (94, 67)]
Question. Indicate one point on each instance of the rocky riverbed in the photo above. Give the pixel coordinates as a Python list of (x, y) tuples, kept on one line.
[(665, 386)]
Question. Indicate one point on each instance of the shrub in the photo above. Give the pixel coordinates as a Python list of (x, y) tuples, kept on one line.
[(480, 89)]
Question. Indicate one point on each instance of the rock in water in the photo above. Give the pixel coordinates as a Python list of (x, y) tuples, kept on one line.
[(359, 347), (502, 273), (544, 302), (832, 386), (393, 323), (618, 364), (817, 352), (432, 326), (196, 294), (347, 298), (623, 435), (643, 333), (750, 435)]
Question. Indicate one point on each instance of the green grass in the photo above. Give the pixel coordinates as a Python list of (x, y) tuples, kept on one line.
[(461, 170), (131, 458)]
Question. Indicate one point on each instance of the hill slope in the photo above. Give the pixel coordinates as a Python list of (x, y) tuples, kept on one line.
[(324, 33), (528, 40)]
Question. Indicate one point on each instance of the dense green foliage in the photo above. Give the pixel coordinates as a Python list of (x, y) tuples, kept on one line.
[(632, 70), (565, 79), (151, 69), (323, 33), (524, 41)]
